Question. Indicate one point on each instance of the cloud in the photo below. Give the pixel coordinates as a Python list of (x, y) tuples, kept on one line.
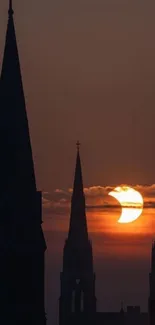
[(58, 190), (96, 197), (103, 213), (46, 203), (96, 191)]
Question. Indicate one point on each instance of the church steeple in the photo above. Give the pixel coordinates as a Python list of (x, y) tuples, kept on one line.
[(78, 223), (77, 304), (22, 243), (10, 11), (18, 168), (78, 181)]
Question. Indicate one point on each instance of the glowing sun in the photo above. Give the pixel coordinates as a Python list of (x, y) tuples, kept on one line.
[(131, 202)]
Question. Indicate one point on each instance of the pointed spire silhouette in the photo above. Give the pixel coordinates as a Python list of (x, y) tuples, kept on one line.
[(77, 296), (10, 11), (78, 181), (13, 117), (78, 223)]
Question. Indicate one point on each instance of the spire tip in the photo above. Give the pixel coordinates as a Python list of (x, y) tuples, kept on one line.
[(10, 11)]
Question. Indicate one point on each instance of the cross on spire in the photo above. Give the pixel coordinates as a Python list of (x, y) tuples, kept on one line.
[(10, 11)]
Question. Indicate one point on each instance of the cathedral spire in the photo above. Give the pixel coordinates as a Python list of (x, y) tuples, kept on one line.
[(14, 130), (78, 223), (10, 11), (22, 243), (78, 181), (77, 304)]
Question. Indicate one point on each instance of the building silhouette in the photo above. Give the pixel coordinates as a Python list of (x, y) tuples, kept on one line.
[(22, 243), (77, 303)]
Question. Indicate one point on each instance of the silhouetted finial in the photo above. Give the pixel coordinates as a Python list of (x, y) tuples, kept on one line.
[(78, 145), (10, 11)]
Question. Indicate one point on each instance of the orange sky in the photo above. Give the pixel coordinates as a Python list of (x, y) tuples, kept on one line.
[(121, 251), (103, 211)]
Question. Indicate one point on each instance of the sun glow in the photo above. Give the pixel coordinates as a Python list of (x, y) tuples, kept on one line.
[(131, 202)]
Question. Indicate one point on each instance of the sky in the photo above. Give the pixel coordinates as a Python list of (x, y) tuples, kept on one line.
[(89, 74), (122, 252)]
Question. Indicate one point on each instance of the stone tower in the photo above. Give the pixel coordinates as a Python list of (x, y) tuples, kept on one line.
[(77, 304), (22, 243)]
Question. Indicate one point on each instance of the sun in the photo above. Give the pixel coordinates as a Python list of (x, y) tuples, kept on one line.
[(131, 202)]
